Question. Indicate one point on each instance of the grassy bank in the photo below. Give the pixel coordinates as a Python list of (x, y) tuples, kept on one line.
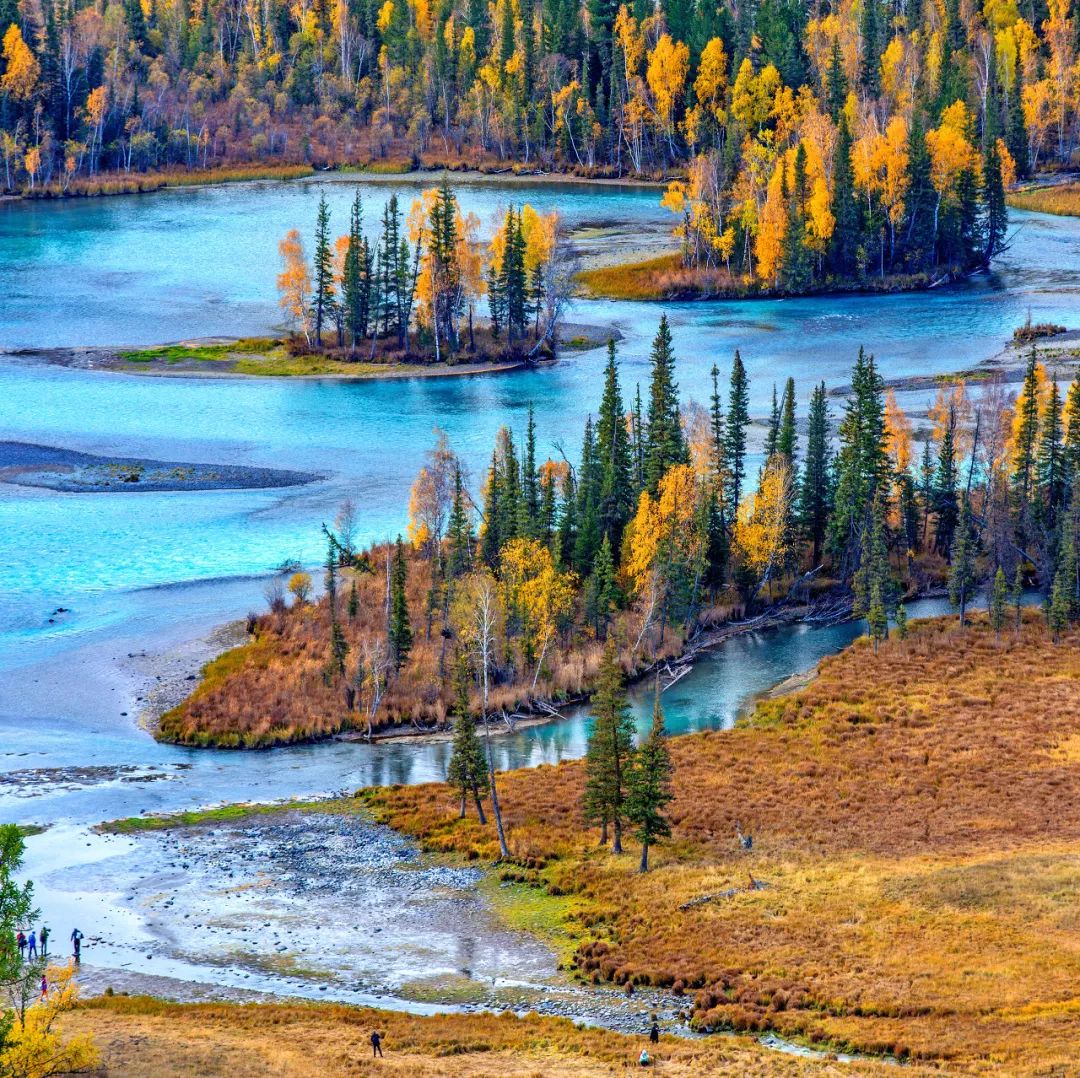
[(156, 1039), (272, 358), (134, 183), (1061, 199), (666, 278), (131, 825), (916, 856)]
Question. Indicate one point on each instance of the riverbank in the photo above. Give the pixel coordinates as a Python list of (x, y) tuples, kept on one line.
[(158, 1039), (70, 472), (259, 357), (664, 278), (871, 912)]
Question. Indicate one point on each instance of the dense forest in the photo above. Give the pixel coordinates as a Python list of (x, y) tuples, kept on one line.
[(876, 133), (659, 532)]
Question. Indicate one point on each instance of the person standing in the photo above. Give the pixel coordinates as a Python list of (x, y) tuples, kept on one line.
[(654, 1034), (43, 936), (44, 989), (20, 940), (76, 942), (376, 1044), (31, 947)]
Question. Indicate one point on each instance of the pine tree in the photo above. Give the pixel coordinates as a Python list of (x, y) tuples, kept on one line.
[(786, 433), (467, 771), (459, 531), (738, 419), (587, 539), (664, 442), (962, 559), (877, 617), (613, 456), (1070, 457), (846, 236), (901, 622), (1025, 443), (650, 790), (354, 278), (600, 590), (797, 270), (870, 52), (773, 432), (353, 607), (999, 597), (530, 485), (815, 493), (1017, 596), (1049, 462), (323, 298), (401, 636), (1016, 138), (607, 761), (836, 85), (491, 541), (997, 213), (945, 484)]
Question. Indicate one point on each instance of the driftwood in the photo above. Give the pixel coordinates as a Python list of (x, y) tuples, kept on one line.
[(731, 892)]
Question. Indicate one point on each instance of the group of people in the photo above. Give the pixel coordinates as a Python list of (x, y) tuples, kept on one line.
[(35, 945), (29, 944)]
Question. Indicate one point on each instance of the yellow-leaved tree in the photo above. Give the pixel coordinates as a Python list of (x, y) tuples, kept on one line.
[(763, 534), (294, 282), (33, 1047)]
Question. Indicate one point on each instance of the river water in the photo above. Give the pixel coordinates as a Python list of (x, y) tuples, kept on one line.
[(155, 572)]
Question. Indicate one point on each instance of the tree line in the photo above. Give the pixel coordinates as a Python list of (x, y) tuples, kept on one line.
[(906, 103), (426, 272), (663, 527)]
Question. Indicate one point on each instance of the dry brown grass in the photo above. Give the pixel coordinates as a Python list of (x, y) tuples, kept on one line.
[(153, 1039), (272, 690), (917, 820), (1061, 199)]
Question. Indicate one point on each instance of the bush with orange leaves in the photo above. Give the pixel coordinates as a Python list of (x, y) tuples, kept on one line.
[(916, 855)]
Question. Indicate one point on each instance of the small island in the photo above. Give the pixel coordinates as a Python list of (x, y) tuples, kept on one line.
[(71, 472), (655, 545)]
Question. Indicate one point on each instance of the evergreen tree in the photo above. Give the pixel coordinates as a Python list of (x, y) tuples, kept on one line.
[(530, 484), (815, 494), (354, 291), (945, 484), (999, 598), (323, 297), (997, 213), (786, 433), (459, 531), (870, 51), (836, 84), (773, 432), (490, 540), (1016, 138), (1025, 443), (1070, 456), (608, 759), (664, 442), (962, 559), (650, 790), (1050, 462), (797, 270), (353, 607), (846, 236), (587, 540), (600, 590), (1017, 595), (401, 636), (901, 622), (738, 419), (613, 457), (862, 463), (467, 771)]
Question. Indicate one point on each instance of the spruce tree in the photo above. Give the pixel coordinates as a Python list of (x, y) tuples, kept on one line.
[(649, 791), (773, 431), (354, 279), (901, 622), (664, 442), (999, 598), (467, 771), (1025, 445), (846, 236), (459, 531), (613, 456), (600, 590), (815, 492), (323, 283), (530, 484), (945, 484), (1070, 457), (738, 419), (997, 214), (870, 51), (1050, 463), (962, 558), (786, 433), (401, 636), (608, 759), (587, 539)]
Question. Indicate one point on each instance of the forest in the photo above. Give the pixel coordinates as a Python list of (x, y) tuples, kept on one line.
[(659, 533), (805, 141)]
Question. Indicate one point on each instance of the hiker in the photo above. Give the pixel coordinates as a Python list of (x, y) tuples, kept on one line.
[(20, 940), (43, 935), (44, 989), (654, 1034), (31, 947), (376, 1044), (643, 1059), (76, 941)]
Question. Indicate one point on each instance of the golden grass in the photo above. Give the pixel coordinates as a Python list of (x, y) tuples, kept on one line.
[(271, 690), (131, 183), (916, 818), (150, 1038), (1062, 199)]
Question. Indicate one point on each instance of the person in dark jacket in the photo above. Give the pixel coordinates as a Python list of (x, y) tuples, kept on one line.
[(376, 1044)]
